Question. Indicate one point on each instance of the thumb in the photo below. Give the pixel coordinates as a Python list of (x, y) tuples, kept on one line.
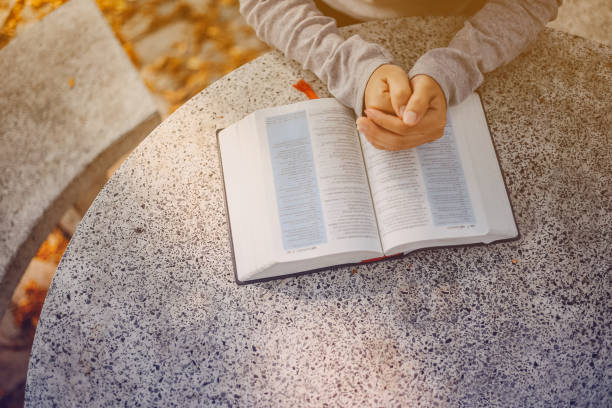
[(399, 90), (418, 104)]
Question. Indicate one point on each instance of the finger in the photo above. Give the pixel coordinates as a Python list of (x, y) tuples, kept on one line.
[(383, 139), (431, 127), (419, 101), (377, 136), (399, 90), (379, 98), (390, 122), (433, 119)]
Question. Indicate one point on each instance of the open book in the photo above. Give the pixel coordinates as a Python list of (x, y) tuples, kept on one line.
[(305, 190)]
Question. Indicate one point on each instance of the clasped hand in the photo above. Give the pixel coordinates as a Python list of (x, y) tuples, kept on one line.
[(402, 113)]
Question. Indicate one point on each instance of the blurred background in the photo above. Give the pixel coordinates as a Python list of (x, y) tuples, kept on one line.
[(179, 48)]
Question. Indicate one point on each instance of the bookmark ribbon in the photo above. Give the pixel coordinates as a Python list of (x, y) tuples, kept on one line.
[(380, 258), (305, 88)]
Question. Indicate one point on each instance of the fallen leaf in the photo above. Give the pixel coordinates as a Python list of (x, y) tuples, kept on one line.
[(305, 88)]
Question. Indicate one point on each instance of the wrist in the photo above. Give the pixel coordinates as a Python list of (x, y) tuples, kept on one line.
[(455, 72)]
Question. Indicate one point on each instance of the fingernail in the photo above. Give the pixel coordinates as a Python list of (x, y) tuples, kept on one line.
[(410, 117), (401, 112)]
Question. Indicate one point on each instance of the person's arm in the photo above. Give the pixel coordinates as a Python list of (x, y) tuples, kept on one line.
[(494, 36), (299, 30)]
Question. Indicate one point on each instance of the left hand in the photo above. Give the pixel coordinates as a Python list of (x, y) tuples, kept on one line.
[(421, 121)]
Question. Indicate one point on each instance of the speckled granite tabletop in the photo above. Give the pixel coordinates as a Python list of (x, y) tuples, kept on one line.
[(144, 309)]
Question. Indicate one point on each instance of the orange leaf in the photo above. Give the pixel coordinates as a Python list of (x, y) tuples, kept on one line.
[(304, 87)]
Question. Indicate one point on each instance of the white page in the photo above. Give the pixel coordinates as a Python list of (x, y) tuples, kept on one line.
[(486, 169), (243, 173), (318, 195), (427, 193)]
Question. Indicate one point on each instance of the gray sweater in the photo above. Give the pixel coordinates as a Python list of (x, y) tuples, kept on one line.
[(493, 36)]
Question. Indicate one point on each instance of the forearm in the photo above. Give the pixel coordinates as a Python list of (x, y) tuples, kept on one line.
[(302, 33), (494, 36)]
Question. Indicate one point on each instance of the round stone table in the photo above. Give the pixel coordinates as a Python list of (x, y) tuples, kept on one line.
[(144, 310)]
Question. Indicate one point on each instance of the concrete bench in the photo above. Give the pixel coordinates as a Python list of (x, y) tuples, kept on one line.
[(71, 103)]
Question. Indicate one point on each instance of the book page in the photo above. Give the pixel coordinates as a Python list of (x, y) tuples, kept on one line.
[(486, 168), (298, 198), (242, 171), (425, 193), (318, 191)]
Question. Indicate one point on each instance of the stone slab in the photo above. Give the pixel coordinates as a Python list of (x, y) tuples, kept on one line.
[(144, 309), (70, 104)]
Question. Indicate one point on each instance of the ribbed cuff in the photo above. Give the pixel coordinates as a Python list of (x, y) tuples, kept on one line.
[(455, 71)]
